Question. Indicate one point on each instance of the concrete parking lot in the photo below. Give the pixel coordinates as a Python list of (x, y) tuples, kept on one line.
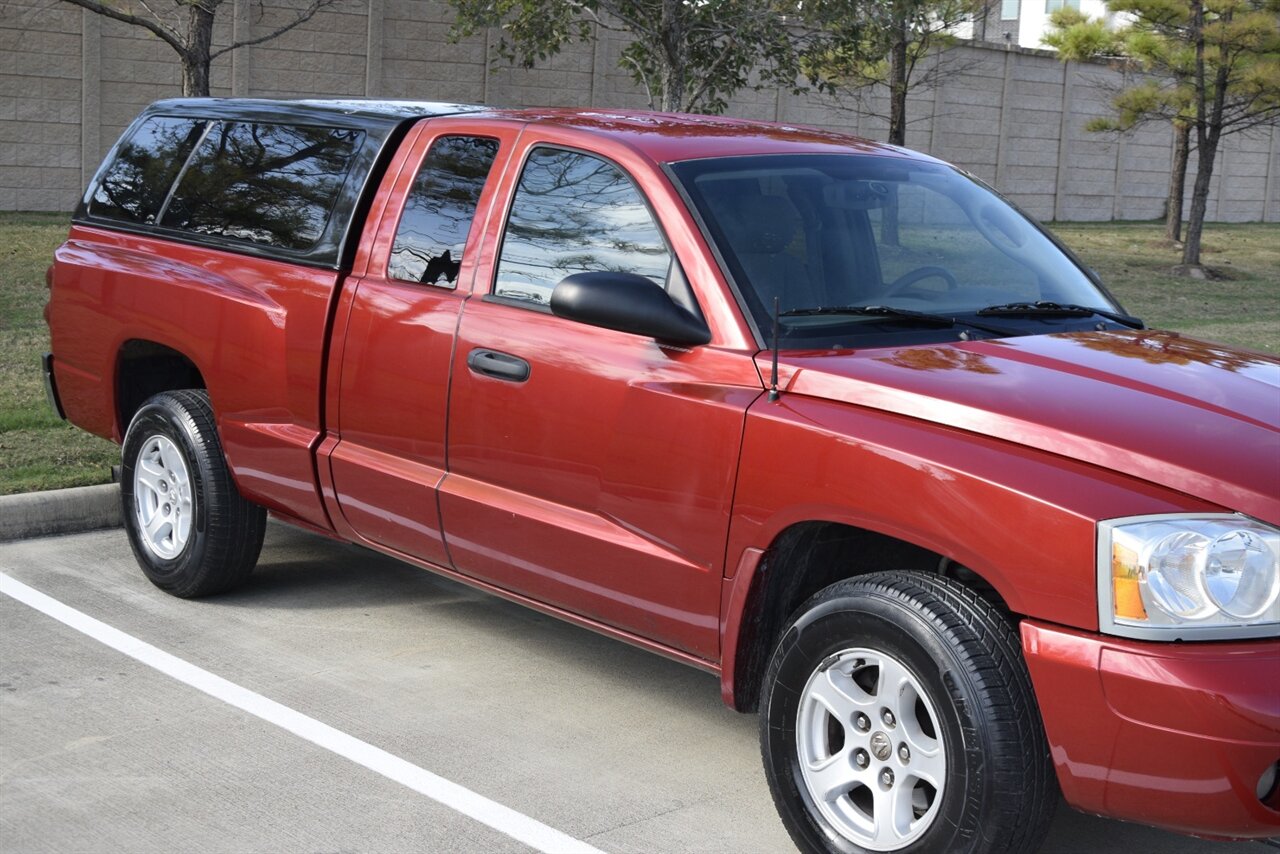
[(581, 735)]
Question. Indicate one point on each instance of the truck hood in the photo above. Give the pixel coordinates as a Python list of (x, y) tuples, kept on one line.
[(1195, 417)]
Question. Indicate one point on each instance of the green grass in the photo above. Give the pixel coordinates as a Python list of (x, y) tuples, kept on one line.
[(1242, 308), (37, 451)]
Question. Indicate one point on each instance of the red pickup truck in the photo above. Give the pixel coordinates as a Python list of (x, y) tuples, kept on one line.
[(827, 418)]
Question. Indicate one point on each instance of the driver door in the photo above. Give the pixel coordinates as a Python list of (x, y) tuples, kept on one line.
[(591, 469)]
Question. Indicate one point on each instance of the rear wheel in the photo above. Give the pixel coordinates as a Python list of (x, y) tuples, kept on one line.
[(191, 531), (898, 716)]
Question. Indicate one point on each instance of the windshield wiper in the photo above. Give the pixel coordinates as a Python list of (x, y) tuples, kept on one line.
[(940, 320), (1044, 308)]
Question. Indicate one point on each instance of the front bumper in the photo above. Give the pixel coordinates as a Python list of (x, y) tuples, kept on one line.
[(1170, 734)]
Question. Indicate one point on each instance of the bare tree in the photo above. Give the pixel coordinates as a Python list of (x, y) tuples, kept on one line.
[(187, 27), (885, 43), (871, 97), (689, 55)]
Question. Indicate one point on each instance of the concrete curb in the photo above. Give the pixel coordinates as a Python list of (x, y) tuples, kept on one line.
[(59, 511)]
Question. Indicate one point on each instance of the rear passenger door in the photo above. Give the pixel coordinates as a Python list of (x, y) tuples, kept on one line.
[(588, 468), (395, 330)]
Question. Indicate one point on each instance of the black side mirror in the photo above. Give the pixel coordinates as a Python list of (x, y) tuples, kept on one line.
[(627, 303)]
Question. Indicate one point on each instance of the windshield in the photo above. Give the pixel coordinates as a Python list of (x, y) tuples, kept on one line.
[(856, 231)]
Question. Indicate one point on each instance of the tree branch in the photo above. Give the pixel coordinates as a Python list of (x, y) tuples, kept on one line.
[(708, 75), (618, 11), (644, 79), (164, 33), (305, 15), (159, 18), (597, 20)]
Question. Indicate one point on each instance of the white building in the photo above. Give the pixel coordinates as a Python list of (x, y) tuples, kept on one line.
[(1024, 22), (1033, 17)]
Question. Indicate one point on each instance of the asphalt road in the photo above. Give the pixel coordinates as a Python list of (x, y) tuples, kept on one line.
[(610, 745)]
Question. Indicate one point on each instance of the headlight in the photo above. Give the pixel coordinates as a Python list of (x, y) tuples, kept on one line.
[(1186, 576)]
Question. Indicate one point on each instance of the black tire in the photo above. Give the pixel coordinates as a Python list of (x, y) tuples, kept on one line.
[(223, 531), (1000, 789)]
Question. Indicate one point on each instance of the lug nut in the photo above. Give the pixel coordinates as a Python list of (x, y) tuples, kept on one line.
[(861, 759), (886, 778), (862, 722), (166, 508), (887, 717), (904, 754)]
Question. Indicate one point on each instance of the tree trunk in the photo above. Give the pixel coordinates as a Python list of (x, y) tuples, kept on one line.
[(195, 59), (672, 76), (889, 234), (1209, 121), (898, 85), (1199, 202), (1177, 181), (195, 77)]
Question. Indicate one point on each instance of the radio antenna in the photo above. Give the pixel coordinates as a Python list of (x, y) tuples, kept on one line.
[(773, 371)]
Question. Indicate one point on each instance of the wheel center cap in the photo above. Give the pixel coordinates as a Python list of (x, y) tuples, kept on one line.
[(881, 747)]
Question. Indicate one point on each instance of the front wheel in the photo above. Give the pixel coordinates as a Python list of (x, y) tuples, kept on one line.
[(191, 531), (898, 716)]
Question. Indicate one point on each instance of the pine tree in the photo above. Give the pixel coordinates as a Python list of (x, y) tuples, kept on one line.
[(1213, 69)]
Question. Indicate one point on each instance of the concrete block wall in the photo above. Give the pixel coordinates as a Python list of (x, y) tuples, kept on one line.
[(418, 60), (40, 106), (71, 81), (325, 56)]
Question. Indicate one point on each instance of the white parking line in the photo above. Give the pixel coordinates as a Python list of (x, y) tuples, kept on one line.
[(501, 818)]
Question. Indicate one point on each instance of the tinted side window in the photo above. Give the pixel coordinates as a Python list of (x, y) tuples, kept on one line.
[(574, 213), (438, 212), (135, 185), (269, 184)]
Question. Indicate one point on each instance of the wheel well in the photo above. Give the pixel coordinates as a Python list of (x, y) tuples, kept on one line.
[(804, 559), (145, 368)]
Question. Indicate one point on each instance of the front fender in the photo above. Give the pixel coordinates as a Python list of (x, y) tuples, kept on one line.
[(1021, 518)]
